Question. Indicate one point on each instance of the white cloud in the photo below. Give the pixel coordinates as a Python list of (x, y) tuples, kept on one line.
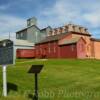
[(93, 19), (86, 13), (10, 24)]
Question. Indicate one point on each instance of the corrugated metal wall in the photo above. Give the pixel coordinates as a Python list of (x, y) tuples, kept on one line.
[(25, 53)]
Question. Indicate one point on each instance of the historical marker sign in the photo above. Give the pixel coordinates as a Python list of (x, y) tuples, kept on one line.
[(6, 57), (6, 52)]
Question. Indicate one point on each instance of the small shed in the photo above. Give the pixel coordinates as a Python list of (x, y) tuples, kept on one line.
[(24, 49)]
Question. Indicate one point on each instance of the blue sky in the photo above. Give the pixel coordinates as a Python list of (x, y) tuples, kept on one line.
[(13, 14)]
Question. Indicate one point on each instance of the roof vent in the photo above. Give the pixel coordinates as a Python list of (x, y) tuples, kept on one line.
[(31, 21)]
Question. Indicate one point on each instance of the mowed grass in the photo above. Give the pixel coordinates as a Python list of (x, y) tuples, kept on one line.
[(59, 80)]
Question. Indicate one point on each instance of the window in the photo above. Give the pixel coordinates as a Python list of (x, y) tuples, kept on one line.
[(17, 36), (22, 34)]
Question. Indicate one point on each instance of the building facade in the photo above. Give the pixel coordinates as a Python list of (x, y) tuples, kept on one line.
[(69, 41), (32, 32), (24, 49), (29, 35)]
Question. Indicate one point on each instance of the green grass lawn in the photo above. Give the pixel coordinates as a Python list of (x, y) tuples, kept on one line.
[(59, 80)]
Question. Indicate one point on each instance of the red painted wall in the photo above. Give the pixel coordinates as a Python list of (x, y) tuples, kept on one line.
[(53, 50), (41, 50), (81, 49), (68, 51), (47, 50), (25, 53)]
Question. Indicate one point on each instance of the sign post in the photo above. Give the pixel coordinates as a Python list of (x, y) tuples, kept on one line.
[(6, 57), (36, 87), (36, 69), (4, 81)]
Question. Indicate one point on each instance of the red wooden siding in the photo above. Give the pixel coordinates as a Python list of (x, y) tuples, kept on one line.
[(25, 53), (68, 51), (53, 50), (47, 50), (81, 52)]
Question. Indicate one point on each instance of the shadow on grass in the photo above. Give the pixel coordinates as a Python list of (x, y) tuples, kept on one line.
[(11, 87), (32, 97)]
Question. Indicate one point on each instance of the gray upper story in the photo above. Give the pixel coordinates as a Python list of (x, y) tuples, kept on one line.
[(32, 33), (22, 34)]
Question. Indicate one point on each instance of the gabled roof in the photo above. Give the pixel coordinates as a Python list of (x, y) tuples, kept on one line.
[(70, 41), (81, 33), (34, 26), (46, 28), (22, 30), (94, 39), (52, 38), (27, 28)]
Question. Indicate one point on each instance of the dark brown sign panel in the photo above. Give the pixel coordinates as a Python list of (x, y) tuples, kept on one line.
[(35, 69), (6, 52)]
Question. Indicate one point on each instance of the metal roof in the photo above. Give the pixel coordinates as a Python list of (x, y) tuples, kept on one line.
[(19, 42), (27, 28), (70, 41), (46, 28), (22, 30), (52, 38)]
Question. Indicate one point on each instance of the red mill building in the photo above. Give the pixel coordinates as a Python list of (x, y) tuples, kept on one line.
[(70, 41)]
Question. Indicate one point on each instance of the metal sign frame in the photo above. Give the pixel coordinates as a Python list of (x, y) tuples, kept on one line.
[(4, 44), (36, 69)]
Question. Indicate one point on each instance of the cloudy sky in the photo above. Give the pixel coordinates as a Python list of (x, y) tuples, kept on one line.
[(13, 14)]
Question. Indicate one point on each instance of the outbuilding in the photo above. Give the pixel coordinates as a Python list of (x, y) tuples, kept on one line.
[(24, 49), (57, 46)]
